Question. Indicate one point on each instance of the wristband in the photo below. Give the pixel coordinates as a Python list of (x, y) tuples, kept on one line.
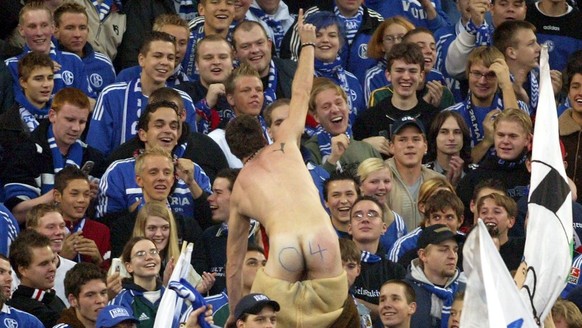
[(307, 44)]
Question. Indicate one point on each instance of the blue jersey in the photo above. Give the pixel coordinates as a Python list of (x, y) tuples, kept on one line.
[(130, 73), (8, 230), (404, 244), (396, 230), (411, 10), (573, 279), (117, 112), (13, 318), (71, 74), (118, 190), (99, 69)]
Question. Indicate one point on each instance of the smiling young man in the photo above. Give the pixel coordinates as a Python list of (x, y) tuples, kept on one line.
[(253, 47), (405, 71), (214, 64), (86, 288), (120, 105), (35, 264), (72, 32), (333, 145), (434, 276), (29, 177), (512, 138), (87, 240), (397, 304), (340, 191), (48, 221)]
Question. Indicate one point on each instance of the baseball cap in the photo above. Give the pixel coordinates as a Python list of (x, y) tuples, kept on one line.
[(405, 121), (253, 304), (111, 315), (436, 234)]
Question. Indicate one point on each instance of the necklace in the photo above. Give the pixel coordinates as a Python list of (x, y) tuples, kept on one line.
[(253, 155)]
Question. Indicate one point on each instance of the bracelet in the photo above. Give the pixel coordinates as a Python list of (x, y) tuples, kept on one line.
[(308, 44)]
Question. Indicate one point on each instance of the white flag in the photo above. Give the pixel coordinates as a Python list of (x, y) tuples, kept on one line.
[(547, 254), (492, 299), (170, 308)]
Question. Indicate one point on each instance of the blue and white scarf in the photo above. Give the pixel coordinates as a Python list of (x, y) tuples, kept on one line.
[(447, 295), (29, 114), (352, 24), (474, 128), (275, 25), (187, 9), (186, 291), (74, 157), (104, 7), (324, 140), (368, 257), (335, 72), (271, 87)]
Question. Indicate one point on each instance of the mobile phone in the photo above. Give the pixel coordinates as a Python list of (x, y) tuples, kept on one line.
[(87, 167)]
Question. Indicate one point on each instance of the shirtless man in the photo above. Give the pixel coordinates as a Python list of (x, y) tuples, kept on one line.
[(304, 250)]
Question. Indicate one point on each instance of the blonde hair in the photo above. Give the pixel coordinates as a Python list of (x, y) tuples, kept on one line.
[(569, 312), (321, 84), (159, 209), (156, 151)]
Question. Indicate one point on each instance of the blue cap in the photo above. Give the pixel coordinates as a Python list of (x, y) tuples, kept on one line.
[(253, 304), (111, 315)]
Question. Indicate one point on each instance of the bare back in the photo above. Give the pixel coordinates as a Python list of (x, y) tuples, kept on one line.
[(276, 189)]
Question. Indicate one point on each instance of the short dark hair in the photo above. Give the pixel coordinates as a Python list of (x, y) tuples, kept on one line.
[(254, 247), (244, 136), (409, 52), (144, 119), (340, 176), (31, 61), (349, 251), (408, 290), (504, 35), (69, 7), (81, 274), (494, 184), (155, 36), (66, 175), (573, 67), (247, 25), (21, 249), (372, 199), (274, 105), (415, 31), (168, 94), (228, 174), (442, 200), (434, 131)]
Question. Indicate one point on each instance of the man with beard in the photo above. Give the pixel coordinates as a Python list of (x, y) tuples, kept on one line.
[(434, 276)]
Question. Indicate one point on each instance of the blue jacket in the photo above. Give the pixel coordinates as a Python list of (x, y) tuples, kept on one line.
[(99, 69)]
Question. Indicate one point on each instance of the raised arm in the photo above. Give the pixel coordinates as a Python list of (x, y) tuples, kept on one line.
[(293, 127)]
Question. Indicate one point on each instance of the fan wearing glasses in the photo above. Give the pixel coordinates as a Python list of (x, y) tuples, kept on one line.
[(490, 91), (366, 227)]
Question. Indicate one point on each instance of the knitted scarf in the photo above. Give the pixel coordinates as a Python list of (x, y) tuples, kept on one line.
[(446, 295), (273, 24), (335, 72), (271, 87), (352, 24)]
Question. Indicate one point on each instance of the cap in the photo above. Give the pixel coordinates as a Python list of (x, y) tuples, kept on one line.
[(436, 234), (405, 121), (112, 315), (253, 304)]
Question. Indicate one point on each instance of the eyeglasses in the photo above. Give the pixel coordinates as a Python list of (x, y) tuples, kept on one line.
[(489, 76), (393, 38), (152, 252), (359, 215)]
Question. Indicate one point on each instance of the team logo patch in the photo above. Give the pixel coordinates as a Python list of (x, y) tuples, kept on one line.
[(363, 51), (68, 77), (96, 80), (574, 276), (550, 45), (10, 323)]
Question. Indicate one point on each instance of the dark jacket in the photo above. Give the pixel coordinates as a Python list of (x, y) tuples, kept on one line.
[(69, 317), (12, 134), (47, 307), (285, 72), (6, 89)]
